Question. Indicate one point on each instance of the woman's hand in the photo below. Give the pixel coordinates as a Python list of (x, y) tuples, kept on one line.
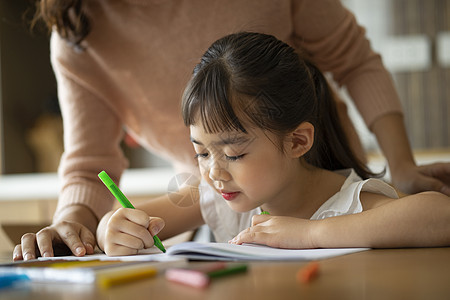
[(62, 238), (414, 179), (406, 176), (280, 232), (126, 231)]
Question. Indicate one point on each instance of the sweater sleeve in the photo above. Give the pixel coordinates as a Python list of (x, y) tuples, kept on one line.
[(92, 135), (331, 36)]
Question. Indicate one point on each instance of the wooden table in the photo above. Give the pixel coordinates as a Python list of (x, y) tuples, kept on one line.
[(376, 274)]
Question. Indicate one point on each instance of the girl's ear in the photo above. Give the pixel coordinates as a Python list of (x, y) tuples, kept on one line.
[(300, 140)]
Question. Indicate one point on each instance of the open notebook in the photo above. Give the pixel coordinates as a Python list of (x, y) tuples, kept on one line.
[(252, 252)]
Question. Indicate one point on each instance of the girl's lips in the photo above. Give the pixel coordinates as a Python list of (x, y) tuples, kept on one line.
[(229, 196)]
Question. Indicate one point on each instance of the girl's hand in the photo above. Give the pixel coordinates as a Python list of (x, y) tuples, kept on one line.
[(280, 232), (128, 231)]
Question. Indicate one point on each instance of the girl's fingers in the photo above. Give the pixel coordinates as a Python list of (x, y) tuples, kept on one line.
[(134, 215), (126, 240), (250, 235), (257, 219), (156, 225), (133, 230), (445, 190), (253, 234), (119, 250)]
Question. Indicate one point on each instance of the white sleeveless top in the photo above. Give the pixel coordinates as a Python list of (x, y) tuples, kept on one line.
[(225, 223)]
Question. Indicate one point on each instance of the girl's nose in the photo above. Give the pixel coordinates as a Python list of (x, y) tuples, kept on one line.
[(217, 173)]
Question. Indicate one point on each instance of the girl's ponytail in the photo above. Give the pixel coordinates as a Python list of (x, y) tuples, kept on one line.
[(331, 148)]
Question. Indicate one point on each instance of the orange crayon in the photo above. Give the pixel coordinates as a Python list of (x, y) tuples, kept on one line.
[(308, 273)]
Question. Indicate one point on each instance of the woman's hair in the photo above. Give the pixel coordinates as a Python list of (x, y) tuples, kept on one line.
[(66, 16), (257, 80)]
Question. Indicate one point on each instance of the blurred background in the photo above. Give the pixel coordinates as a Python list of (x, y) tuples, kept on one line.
[(413, 37)]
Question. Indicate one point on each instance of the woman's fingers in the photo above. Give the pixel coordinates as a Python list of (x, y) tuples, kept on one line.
[(63, 235), (28, 246), (17, 253), (88, 240), (69, 233), (44, 240)]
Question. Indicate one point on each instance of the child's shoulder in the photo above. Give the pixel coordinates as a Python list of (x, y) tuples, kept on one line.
[(347, 200)]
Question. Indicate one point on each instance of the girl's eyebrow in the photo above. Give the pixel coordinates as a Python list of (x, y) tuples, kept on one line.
[(233, 140), (195, 142)]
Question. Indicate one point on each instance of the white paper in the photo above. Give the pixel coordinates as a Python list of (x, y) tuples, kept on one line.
[(220, 251), (252, 252)]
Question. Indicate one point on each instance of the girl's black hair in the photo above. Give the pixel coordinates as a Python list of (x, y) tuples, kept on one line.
[(256, 78)]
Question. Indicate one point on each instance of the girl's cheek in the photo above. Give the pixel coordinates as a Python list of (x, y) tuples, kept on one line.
[(205, 173), (205, 176)]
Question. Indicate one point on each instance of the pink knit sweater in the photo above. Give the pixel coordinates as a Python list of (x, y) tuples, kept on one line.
[(140, 55)]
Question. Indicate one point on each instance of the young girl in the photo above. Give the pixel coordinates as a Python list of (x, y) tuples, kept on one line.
[(263, 124)]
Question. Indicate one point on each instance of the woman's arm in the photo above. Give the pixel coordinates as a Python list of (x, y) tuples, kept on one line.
[(92, 135)]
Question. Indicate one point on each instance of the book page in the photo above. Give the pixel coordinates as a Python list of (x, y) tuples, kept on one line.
[(225, 251)]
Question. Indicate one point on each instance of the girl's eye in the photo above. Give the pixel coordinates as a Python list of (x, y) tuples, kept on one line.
[(234, 158), (201, 155)]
